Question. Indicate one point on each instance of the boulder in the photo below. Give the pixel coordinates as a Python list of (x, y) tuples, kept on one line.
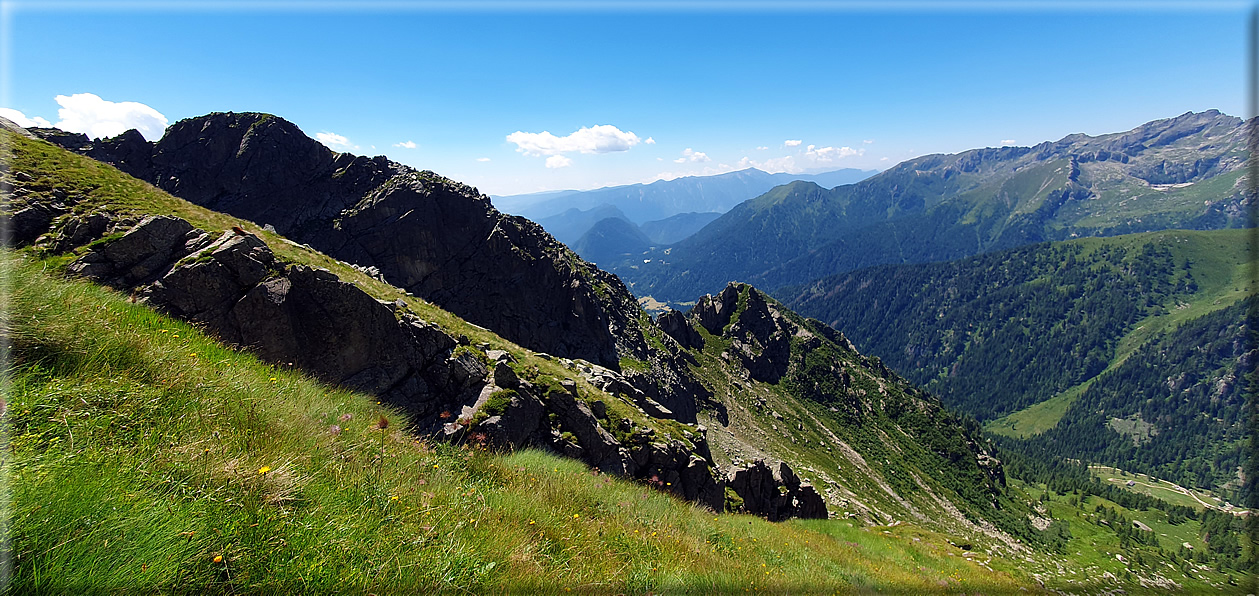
[(28, 223), (140, 255), (510, 425), (776, 494)]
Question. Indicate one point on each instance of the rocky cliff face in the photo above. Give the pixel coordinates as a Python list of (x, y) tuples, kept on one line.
[(437, 238)]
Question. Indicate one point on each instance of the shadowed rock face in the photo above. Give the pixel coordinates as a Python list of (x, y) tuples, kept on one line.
[(437, 238)]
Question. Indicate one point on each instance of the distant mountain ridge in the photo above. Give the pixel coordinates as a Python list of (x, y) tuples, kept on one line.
[(1182, 172), (664, 198)]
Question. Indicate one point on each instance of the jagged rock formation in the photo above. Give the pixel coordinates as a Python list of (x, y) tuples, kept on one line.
[(761, 336), (437, 238)]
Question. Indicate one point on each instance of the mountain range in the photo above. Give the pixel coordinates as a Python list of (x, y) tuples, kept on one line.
[(1182, 172), (658, 200)]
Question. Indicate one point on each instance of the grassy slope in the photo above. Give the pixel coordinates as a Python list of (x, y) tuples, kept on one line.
[(1220, 266), (142, 451)]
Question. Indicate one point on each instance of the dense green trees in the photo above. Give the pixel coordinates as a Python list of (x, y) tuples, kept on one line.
[(1188, 384), (999, 332)]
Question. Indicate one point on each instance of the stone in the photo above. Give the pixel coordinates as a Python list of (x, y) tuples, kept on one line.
[(513, 427), (776, 495), (29, 223), (138, 256)]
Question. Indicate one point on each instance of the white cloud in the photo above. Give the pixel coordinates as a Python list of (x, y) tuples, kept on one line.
[(773, 165), (882, 159), (558, 161), (762, 148), (20, 119), (98, 118), (482, 159), (830, 154), (335, 141), (603, 138), (867, 142), (692, 155), (794, 143), (649, 141), (406, 144), (1007, 142), (811, 160)]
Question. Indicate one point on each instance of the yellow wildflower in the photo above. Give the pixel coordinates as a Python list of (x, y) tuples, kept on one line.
[(264, 469)]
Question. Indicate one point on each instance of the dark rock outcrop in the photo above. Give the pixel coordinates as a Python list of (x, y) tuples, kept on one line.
[(674, 323), (292, 315), (776, 494)]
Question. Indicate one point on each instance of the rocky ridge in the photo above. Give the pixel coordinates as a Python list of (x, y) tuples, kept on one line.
[(234, 286), (435, 237)]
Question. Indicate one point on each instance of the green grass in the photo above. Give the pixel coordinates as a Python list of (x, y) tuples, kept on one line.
[(1037, 418), (144, 456), (1157, 488)]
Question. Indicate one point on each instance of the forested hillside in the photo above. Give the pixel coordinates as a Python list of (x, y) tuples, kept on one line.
[(996, 333), (1129, 345), (1175, 409)]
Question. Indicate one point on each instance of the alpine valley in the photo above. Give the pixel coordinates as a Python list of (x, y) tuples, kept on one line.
[(243, 362)]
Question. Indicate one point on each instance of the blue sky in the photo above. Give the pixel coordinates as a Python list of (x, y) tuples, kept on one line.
[(660, 92)]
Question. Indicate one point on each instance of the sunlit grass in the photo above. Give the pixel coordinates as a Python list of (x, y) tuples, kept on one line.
[(146, 456)]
